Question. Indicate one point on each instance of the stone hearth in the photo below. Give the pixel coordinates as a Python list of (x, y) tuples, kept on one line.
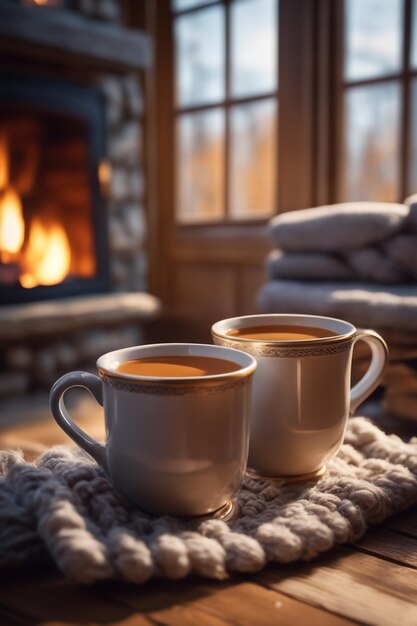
[(41, 341)]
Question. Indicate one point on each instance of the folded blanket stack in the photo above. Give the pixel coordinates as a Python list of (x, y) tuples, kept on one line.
[(356, 261)]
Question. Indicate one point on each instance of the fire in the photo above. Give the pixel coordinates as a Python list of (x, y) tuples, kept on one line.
[(47, 256), (12, 225), (4, 164)]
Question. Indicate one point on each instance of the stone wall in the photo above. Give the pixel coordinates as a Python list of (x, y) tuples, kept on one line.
[(33, 364), (107, 10), (125, 187)]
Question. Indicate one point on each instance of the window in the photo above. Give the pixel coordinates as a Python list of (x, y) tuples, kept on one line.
[(378, 137), (225, 109)]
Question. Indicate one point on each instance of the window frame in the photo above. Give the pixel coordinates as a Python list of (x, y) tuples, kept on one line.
[(403, 78), (303, 177), (226, 104)]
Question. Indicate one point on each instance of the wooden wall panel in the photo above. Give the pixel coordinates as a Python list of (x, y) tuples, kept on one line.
[(252, 279), (205, 293)]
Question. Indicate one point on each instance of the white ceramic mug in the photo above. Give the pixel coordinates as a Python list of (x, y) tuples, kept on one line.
[(175, 446), (301, 395)]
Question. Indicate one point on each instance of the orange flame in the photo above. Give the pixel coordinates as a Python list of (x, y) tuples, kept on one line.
[(4, 164), (47, 256), (12, 225)]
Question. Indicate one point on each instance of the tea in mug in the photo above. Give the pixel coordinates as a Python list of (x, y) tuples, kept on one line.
[(180, 366), (280, 333)]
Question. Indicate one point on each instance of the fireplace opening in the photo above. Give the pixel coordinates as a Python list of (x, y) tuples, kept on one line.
[(53, 239)]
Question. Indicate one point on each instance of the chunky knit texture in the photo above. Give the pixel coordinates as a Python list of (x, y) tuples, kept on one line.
[(64, 503)]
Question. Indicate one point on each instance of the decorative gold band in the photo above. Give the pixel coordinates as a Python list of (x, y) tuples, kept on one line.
[(267, 349), (175, 388)]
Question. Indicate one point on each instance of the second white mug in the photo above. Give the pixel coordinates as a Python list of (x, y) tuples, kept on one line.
[(301, 390)]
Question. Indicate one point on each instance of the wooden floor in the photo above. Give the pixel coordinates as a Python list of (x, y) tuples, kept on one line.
[(371, 582)]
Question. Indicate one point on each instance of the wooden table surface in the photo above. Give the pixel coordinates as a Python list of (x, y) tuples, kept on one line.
[(373, 581)]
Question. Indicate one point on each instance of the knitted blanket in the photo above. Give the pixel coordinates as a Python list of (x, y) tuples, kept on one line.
[(64, 504)]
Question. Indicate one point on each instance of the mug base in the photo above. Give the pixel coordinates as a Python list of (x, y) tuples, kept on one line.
[(286, 480), (226, 513)]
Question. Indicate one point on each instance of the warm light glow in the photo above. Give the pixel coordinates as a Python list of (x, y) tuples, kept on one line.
[(42, 3), (104, 172), (4, 164), (47, 257), (12, 225)]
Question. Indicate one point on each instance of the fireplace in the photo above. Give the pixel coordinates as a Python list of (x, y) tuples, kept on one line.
[(72, 191), (53, 239)]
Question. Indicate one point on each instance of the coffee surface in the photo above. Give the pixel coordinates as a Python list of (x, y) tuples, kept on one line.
[(177, 366), (280, 332)]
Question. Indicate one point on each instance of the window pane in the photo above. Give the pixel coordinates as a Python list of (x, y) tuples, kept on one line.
[(253, 159), (412, 188), (373, 37), (371, 139), (181, 5), (200, 56), (254, 49), (200, 166)]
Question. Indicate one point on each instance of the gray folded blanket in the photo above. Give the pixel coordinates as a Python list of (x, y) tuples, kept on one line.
[(338, 227), (411, 220), (378, 265), (402, 249), (308, 265), (370, 263), (363, 304)]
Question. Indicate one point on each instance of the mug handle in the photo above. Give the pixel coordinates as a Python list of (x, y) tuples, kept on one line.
[(376, 369), (92, 383)]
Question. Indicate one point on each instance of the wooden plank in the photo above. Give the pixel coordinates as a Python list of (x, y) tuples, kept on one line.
[(390, 545), (217, 604), (296, 104), (48, 597), (186, 615), (406, 114), (221, 244), (67, 33), (405, 523), (159, 146), (205, 294), (323, 97), (169, 603), (252, 279), (357, 586)]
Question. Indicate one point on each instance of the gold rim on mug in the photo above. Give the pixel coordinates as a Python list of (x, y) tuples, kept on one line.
[(319, 346), (268, 349), (178, 386), (175, 387)]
